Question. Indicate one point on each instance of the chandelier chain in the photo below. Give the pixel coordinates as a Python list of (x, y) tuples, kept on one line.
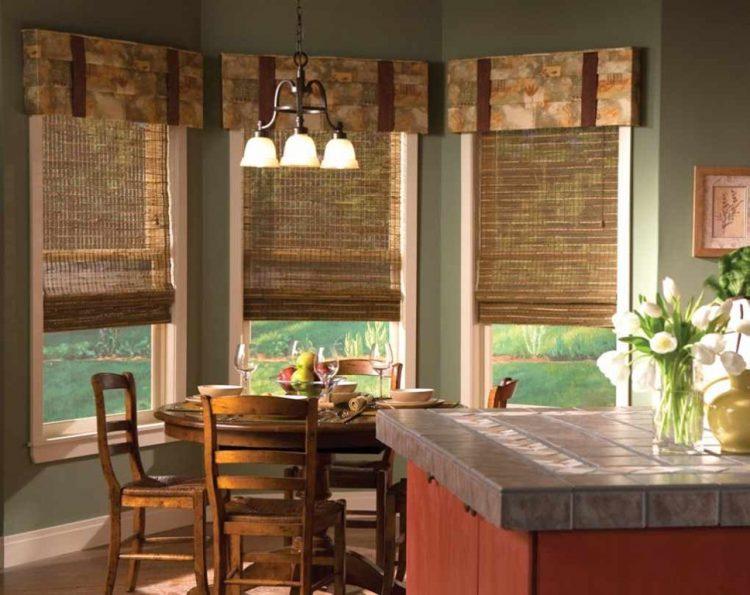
[(299, 26)]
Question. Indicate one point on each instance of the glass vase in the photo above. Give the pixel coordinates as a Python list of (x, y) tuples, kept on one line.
[(678, 415)]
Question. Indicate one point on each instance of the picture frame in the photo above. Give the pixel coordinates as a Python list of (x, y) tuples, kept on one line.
[(721, 210)]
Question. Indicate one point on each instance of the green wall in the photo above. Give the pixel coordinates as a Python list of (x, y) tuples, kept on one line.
[(705, 117), (695, 111)]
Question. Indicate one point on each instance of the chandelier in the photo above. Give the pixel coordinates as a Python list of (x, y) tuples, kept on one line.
[(299, 149)]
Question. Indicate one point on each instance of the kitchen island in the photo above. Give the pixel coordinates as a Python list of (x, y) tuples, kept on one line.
[(528, 501)]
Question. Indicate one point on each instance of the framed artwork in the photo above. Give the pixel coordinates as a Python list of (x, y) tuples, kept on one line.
[(721, 210)]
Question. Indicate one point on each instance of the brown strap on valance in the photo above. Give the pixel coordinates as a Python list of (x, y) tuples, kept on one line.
[(107, 255), (589, 84), (547, 227), (537, 91), (325, 244), (483, 95), (266, 87), (78, 76), (386, 95), (91, 77), (173, 87), (363, 94)]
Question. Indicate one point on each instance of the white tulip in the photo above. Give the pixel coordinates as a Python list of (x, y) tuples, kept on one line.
[(725, 307), (626, 323), (663, 342), (669, 289), (702, 317), (614, 366), (644, 374), (702, 354), (713, 341), (733, 363), (649, 309)]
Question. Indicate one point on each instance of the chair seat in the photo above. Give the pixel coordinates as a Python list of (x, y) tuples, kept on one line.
[(282, 511), (163, 486)]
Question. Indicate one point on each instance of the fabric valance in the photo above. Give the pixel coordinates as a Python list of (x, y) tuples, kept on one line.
[(555, 90), (367, 95), (78, 75)]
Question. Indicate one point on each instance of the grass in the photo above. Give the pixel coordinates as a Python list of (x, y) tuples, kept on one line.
[(558, 384), (560, 343), (67, 386)]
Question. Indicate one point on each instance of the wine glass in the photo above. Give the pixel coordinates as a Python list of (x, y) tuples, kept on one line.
[(295, 349), (381, 359), (327, 366), (246, 362)]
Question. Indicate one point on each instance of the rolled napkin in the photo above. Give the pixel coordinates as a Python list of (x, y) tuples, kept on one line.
[(359, 403)]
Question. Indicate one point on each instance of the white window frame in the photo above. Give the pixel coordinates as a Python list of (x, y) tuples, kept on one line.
[(476, 338), (403, 333), (77, 438)]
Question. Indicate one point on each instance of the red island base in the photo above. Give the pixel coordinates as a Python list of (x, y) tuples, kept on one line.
[(451, 551)]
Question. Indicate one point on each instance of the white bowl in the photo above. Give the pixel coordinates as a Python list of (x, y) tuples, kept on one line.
[(412, 395), (344, 387), (220, 390)]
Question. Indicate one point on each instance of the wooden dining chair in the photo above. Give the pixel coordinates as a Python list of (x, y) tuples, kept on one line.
[(500, 395), (374, 474), (394, 562), (297, 519), (143, 491)]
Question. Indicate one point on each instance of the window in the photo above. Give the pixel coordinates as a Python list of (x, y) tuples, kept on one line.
[(325, 257), (108, 223), (546, 246)]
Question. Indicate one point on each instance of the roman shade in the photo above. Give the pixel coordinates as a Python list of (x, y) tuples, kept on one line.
[(91, 77), (106, 224), (325, 244), (547, 227), (366, 95), (539, 91)]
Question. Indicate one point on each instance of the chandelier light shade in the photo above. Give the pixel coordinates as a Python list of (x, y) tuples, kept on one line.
[(299, 149), (259, 152), (339, 154)]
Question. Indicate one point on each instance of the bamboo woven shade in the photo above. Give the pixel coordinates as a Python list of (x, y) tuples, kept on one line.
[(547, 242), (106, 224), (325, 244)]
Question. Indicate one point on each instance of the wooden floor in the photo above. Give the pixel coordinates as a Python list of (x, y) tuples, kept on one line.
[(83, 572)]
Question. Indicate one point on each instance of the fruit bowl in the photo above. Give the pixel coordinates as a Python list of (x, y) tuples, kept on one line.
[(307, 389)]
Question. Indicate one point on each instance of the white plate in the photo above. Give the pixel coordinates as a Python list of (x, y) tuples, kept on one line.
[(392, 404)]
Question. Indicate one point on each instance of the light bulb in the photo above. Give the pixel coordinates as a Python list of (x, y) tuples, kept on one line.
[(339, 154), (259, 152), (299, 151)]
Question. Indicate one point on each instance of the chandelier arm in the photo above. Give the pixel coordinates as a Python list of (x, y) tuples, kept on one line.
[(315, 83), (276, 96)]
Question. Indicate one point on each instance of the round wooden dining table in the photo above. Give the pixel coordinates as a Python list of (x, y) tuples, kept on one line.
[(185, 422)]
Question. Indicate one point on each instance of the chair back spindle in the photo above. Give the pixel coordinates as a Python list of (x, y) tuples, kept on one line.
[(362, 366)]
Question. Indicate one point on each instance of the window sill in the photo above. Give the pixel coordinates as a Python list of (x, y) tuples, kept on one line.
[(83, 445)]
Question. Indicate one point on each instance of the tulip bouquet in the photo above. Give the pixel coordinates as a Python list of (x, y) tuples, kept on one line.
[(666, 341)]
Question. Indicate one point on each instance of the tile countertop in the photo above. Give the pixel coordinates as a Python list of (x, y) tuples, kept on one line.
[(539, 469)]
